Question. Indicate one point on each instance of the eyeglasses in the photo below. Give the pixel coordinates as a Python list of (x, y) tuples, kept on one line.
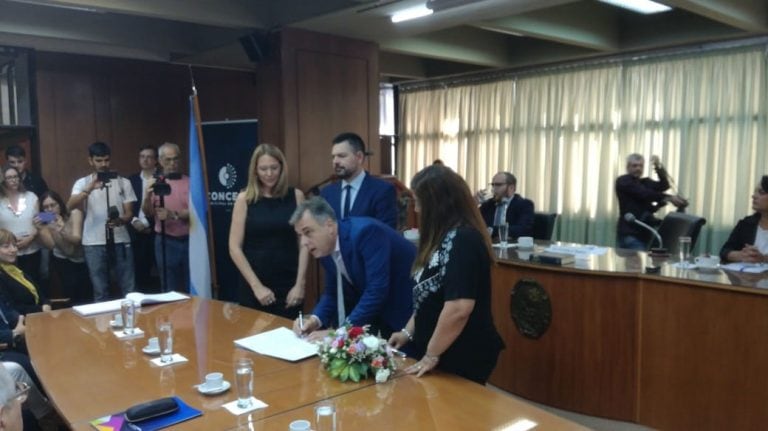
[(498, 184), (12, 178)]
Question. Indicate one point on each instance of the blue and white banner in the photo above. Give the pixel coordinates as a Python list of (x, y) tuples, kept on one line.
[(229, 146), (199, 263)]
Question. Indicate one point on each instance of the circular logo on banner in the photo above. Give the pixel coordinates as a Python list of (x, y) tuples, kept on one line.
[(227, 176)]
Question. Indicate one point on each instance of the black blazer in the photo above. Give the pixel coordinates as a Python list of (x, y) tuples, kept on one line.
[(744, 233), (519, 216), (18, 297)]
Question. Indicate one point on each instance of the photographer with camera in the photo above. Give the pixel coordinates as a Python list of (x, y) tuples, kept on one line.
[(167, 200), (106, 199)]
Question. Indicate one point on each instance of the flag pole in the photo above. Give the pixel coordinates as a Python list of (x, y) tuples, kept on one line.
[(201, 150)]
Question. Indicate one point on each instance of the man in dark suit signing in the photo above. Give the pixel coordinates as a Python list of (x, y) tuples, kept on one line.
[(367, 271), (358, 193), (508, 207)]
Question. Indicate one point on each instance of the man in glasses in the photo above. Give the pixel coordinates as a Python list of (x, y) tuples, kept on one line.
[(508, 207)]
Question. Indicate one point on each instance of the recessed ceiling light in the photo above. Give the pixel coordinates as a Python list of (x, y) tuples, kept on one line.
[(411, 13), (646, 7)]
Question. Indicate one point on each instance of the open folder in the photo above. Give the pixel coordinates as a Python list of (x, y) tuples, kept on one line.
[(279, 343), (137, 297)]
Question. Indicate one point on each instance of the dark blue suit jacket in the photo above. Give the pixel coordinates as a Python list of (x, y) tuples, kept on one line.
[(378, 260), (519, 216), (376, 198)]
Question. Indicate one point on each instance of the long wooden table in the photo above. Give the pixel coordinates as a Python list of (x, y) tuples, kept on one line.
[(89, 373), (677, 350)]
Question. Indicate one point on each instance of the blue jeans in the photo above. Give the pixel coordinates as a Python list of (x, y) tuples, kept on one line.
[(631, 242), (176, 263), (96, 259)]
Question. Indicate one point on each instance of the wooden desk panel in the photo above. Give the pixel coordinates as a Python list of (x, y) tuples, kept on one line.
[(435, 402), (703, 358), (586, 360)]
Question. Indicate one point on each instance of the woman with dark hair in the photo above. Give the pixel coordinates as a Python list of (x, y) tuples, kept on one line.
[(62, 231), (451, 328), (262, 244), (18, 208), (748, 241), (17, 290)]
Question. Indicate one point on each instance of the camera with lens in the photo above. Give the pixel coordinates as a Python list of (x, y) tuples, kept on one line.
[(161, 186), (105, 177), (113, 213)]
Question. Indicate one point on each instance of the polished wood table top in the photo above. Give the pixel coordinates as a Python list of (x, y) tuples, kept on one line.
[(436, 402), (631, 263), (89, 373)]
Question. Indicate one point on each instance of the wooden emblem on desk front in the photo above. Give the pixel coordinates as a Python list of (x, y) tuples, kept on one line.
[(530, 308)]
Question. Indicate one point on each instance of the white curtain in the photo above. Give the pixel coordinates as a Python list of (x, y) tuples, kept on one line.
[(566, 136)]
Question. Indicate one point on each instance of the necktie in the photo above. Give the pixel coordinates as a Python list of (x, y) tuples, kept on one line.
[(339, 291), (347, 199)]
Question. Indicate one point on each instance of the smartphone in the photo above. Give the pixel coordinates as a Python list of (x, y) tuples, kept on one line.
[(46, 217)]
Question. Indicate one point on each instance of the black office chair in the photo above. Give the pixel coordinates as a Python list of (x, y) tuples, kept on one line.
[(544, 225), (675, 225)]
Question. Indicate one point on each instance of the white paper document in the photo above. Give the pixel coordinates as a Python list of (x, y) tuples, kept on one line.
[(577, 249), (280, 343), (754, 268), (137, 297)]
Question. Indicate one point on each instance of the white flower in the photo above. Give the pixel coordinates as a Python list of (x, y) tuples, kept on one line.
[(371, 342), (333, 350), (382, 375)]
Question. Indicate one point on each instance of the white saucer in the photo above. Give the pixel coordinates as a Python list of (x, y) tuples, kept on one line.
[(223, 388), (150, 352), (509, 245), (708, 268), (114, 324)]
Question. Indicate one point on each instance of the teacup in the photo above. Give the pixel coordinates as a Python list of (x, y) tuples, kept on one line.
[(117, 319), (525, 242), (300, 425), (707, 261), (213, 381), (153, 344)]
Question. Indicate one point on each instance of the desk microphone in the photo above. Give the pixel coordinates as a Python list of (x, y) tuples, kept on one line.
[(632, 219)]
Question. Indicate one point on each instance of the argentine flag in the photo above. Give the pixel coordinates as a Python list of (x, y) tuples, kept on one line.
[(199, 264)]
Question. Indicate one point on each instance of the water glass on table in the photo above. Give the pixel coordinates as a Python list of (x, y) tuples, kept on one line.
[(502, 231), (165, 336), (325, 416), (684, 249), (244, 382), (128, 316)]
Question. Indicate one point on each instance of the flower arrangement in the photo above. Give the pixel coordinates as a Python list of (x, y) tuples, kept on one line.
[(351, 353)]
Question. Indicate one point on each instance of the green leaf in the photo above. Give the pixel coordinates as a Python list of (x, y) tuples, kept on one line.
[(364, 368), (345, 374), (354, 373), (338, 363)]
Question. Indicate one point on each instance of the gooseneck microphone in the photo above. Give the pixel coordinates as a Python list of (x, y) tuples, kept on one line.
[(629, 217)]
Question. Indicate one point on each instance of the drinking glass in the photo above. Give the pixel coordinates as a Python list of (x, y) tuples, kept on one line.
[(165, 335), (684, 248), (502, 230), (128, 315), (325, 416), (244, 382)]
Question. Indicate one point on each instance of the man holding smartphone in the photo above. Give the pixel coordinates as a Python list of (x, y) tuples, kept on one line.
[(106, 199)]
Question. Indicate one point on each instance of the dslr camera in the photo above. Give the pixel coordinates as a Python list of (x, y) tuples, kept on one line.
[(161, 186), (105, 177)]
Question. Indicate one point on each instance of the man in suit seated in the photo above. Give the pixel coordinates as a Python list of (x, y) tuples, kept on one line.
[(358, 193), (365, 260), (508, 207)]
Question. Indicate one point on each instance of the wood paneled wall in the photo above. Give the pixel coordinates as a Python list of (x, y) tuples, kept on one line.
[(127, 104)]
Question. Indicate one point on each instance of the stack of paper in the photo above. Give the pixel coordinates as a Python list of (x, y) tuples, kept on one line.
[(137, 297), (280, 343), (754, 268)]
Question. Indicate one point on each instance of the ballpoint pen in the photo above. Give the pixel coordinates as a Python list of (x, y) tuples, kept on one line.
[(301, 321)]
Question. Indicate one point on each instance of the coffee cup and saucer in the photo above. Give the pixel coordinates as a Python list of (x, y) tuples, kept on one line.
[(525, 243), (214, 384), (152, 348), (707, 263)]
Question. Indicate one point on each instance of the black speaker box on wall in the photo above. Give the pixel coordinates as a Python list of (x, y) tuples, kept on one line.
[(256, 46)]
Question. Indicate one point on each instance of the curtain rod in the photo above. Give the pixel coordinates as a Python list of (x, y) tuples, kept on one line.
[(597, 60)]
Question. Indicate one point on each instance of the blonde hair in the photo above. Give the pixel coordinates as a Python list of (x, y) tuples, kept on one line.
[(7, 237), (253, 190)]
